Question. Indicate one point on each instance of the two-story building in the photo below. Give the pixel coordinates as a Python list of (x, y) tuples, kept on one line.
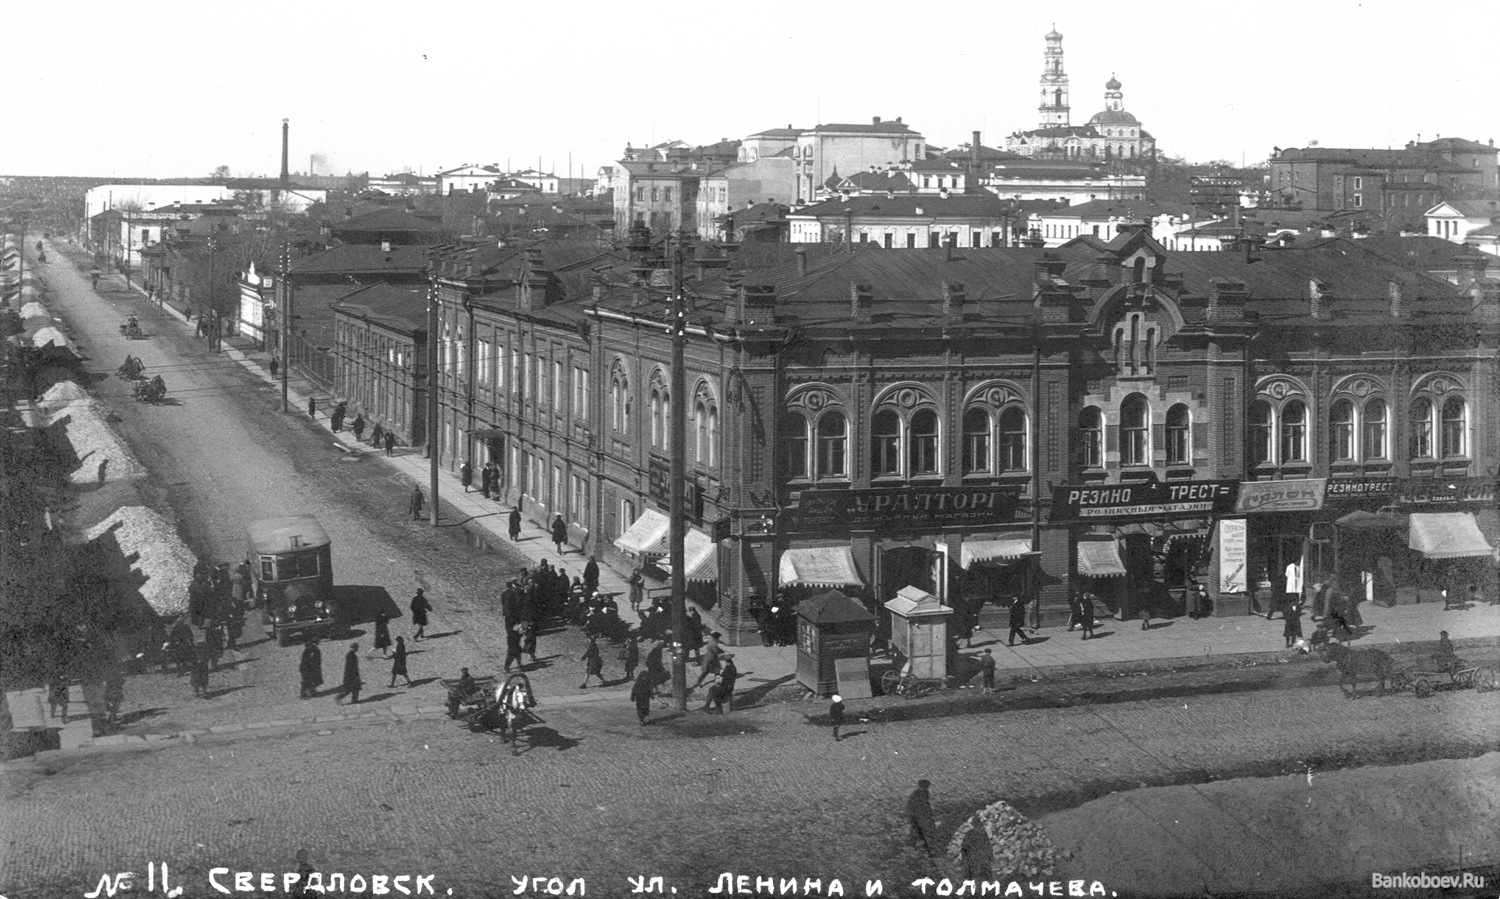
[(908, 221)]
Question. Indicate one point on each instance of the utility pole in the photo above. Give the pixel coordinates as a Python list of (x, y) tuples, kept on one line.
[(434, 376), (677, 403), (286, 318)]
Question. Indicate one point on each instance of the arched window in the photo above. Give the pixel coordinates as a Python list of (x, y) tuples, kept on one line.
[(1455, 427), (832, 446), (1013, 439), (1091, 435), (1375, 431), (700, 432), (1422, 428), (1135, 431), (885, 443), (1341, 431), (1294, 432), (793, 446), (658, 418), (1179, 445), (924, 442), (1260, 433), (976, 451), (619, 401), (713, 436)]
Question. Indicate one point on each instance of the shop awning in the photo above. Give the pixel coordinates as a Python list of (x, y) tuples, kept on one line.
[(1100, 558), (818, 566), (1447, 535), (1006, 549), (1371, 521), (699, 559), (644, 533)]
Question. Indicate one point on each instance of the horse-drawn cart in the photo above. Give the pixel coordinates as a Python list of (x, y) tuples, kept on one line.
[(1455, 674), (490, 705)]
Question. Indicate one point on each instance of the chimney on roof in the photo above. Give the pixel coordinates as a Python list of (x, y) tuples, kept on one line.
[(953, 302), (1320, 299), (862, 303), (974, 154), (1226, 300), (385, 246), (876, 120), (758, 304), (801, 255), (1398, 309), (348, 213), (286, 175)]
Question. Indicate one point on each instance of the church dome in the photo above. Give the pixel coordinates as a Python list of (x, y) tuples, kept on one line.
[(1113, 84), (1053, 35), (1114, 117)]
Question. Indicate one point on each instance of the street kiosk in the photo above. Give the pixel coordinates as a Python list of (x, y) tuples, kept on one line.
[(919, 631), (832, 628)]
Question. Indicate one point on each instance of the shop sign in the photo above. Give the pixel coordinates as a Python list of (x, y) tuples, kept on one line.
[(659, 480), (1145, 499), (1304, 495), (1411, 491), (1233, 556), (895, 508)]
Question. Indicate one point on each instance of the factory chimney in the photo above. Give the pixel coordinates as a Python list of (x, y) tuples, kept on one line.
[(286, 176)]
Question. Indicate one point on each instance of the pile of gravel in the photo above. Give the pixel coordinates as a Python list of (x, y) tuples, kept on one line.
[(44, 336), (94, 442), (35, 310), (1018, 850), (161, 557), (62, 393)]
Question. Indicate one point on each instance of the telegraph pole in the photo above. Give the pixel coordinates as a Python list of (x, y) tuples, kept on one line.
[(677, 403), (433, 376), (286, 318)]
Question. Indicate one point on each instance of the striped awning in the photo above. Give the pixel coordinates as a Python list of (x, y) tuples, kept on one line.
[(700, 560), (644, 533), (1006, 549), (1447, 535), (1100, 558), (818, 566)]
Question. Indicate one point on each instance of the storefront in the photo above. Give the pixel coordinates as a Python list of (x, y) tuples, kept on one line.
[(1284, 551)]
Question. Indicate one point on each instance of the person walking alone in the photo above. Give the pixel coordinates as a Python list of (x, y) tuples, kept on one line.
[(351, 684), (419, 609), (200, 671), (1017, 622), (1086, 613), (919, 816), (630, 656), (358, 427), (275, 367), (593, 664), (709, 659), (640, 694), (311, 669), (466, 474), (390, 443), (416, 502), (1291, 629), (987, 665), (398, 663), (312, 407), (485, 480), (513, 649), (383, 635), (559, 533), (721, 696), (515, 524), (836, 714)]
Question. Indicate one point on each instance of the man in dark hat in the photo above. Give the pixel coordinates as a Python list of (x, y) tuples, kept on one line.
[(641, 693), (721, 697), (591, 575), (919, 816), (352, 682), (1017, 621), (515, 524), (311, 668), (710, 658)]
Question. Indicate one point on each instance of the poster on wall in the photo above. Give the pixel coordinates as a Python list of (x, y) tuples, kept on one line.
[(1232, 556)]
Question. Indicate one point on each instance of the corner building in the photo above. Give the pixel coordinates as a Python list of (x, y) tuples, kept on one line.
[(985, 424)]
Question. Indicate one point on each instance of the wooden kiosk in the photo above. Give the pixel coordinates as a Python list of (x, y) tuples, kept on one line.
[(831, 628), (919, 631)]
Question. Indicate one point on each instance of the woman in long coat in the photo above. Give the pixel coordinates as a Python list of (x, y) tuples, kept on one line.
[(419, 609), (593, 664), (398, 666), (312, 668), (382, 634), (559, 533)]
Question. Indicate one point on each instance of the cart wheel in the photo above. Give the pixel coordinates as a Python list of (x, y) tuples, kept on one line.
[(1484, 680), (890, 682), (1424, 688)]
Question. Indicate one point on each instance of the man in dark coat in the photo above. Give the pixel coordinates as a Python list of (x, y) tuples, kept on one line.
[(722, 695), (466, 474), (641, 693), (1017, 622), (485, 480), (312, 669), (359, 427), (419, 609), (398, 663), (312, 407), (1086, 613), (591, 575), (710, 659), (515, 524), (919, 816), (512, 648), (416, 503), (510, 604), (352, 683), (836, 714), (390, 443), (655, 665), (559, 533)]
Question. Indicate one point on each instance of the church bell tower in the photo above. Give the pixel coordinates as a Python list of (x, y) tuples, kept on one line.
[(1054, 105)]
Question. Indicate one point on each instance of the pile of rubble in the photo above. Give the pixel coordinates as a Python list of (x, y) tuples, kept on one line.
[(161, 558), (63, 393), (1018, 850), (101, 453)]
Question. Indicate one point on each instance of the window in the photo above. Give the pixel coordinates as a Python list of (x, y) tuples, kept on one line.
[(1013, 439), (558, 397), (580, 505), (924, 442), (1294, 432), (666, 194), (885, 444), (1135, 421), (581, 392), (557, 488), (832, 446), (655, 194), (482, 361), (1455, 428), (1260, 433), (1359, 183), (502, 360), (658, 417), (1375, 432), (531, 387), (1179, 448), (713, 435), (701, 443), (1359, 200), (976, 449), (1341, 431), (1091, 435), (640, 194), (793, 446), (1421, 428)]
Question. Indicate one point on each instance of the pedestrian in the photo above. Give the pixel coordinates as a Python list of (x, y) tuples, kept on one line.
[(515, 524), (485, 479), (390, 443), (398, 664), (721, 697), (494, 468), (710, 660), (383, 634), (114, 696), (630, 656), (311, 669), (640, 694), (528, 638), (275, 366), (466, 474), (762, 615), (637, 589), (655, 666), (1144, 613), (593, 664), (1292, 628), (352, 683), (1086, 613), (312, 407), (200, 671), (1075, 611), (513, 649), (919, 816), (416, 501), (987, 665), (377, 434), (559, 533), (336, 418), (591, 575), (1017, 622), (693, 638), (836, 714), (359, 427), (419, 609)]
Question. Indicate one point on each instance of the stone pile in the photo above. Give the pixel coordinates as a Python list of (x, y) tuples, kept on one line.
[(161, 558), (1018, 849)]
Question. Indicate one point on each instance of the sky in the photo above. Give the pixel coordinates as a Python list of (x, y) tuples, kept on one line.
[(175, 89)]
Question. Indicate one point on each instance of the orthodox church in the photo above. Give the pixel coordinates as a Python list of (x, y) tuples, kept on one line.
[(1112, 135)]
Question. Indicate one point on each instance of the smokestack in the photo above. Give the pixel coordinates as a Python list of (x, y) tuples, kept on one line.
[(286, 175), (974, 154)]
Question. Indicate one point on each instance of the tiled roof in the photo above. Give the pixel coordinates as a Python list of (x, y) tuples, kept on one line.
[(906, 205), (1459, 144), (760, 212), (1062, 131), (389, 219), (397, 306), (867, 128), (1419, 250), (364, 258), (1475, 208), (883, 180), (778, 132), (1117, 208)]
